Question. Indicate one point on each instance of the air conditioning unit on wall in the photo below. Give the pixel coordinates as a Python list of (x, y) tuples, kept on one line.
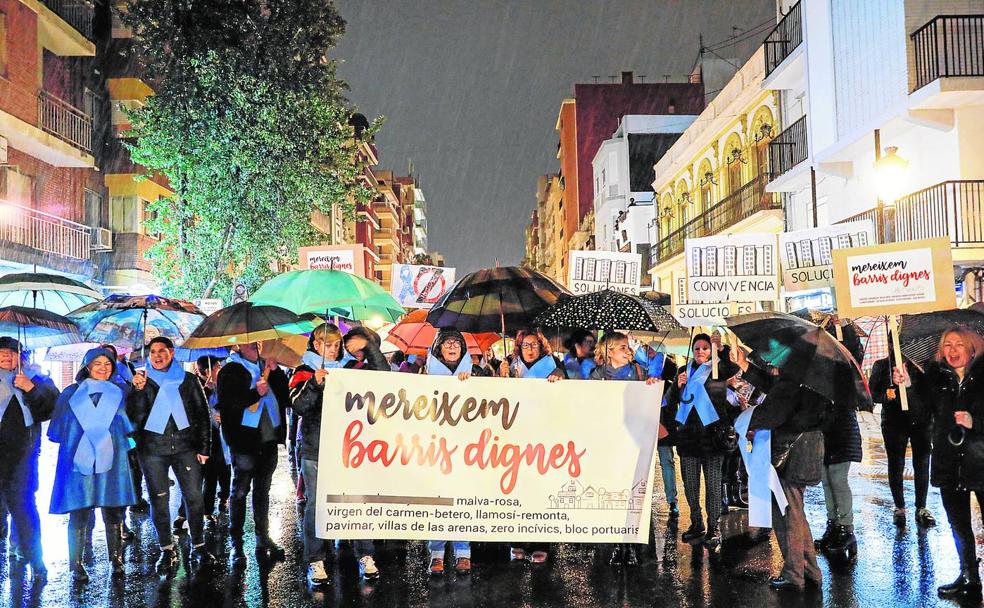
[(102, 239)]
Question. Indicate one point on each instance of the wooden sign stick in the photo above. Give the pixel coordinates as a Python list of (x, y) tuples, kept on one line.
[(714, 359), (893, 328)]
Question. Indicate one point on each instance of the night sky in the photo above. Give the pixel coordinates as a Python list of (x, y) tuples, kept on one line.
[(471, 90)]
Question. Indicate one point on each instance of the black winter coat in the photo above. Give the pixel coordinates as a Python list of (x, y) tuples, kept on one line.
[(308, 398), (18, 442), (919, 412), (692, 438), (197, 438), (952, 466), (232, 388), (794, 415)]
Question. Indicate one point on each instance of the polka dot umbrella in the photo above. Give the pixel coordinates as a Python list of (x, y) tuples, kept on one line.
[(609, 310)]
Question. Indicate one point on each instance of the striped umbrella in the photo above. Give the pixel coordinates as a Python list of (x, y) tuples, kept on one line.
[(52, 292), (502, 299), (36, 328)]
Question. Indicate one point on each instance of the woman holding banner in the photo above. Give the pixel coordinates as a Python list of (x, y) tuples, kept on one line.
[(580, 358), (613, 359), (532, 359), (705, 436), (954, 389)]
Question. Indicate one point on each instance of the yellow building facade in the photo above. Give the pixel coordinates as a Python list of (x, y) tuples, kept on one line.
[(712, 180)]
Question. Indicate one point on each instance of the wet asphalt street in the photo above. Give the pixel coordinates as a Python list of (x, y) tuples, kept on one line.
[(894, 567)]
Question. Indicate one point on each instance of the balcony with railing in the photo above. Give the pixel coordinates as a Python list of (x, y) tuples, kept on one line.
[(948, 46), (741, 204), (783, 39), (788, 149), (954, 209), (64, 121), (43, 232), (76, 13)]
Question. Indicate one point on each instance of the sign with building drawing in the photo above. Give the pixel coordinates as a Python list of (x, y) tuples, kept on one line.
[(806, 256), (742, 267), (420, 286), (894, 279), (592, 271)]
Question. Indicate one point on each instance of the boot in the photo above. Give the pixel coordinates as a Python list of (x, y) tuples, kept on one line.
[(695, 532), (126, 533), (844, 545), (114, 546), (966, 587), (167, 561), (266, 546), (734, 496), (821, 543), (713, 537), (618, 556), (76, 547), (238, 555)]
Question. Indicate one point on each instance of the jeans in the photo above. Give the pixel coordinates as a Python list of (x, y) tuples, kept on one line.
[(188, 473), (256, 472), (216, 475), (667, 467), (462, 548), (837, 494), (957, 506), (315, 549), (896, 438), (17, 494), (795, 539)]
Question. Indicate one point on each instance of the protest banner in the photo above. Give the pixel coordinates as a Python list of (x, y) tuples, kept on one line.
[(420, 286), (347, 258), (711, 314), (723, 268), (406, 456), (894, 279), (805, 256), (592, 271)]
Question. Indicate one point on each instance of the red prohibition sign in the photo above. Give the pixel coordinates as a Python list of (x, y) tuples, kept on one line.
[(429, 285)]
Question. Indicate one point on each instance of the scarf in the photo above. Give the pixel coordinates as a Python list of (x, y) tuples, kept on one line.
[(168, 403), (8, 392), (268, 402), (315, 361), (694, 396), (626, 372), (762, 477), (578, 369), (653, 365), (436, 367), (543, 367), (94, 453)]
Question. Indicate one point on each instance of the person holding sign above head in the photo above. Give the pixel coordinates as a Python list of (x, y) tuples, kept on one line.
[(954, 390), (27, 398), (167, 406), (705, 436), (532, 359), (580, 358), (92, 429), (307, 388), (449, 357), (613, 359), (252, 394)]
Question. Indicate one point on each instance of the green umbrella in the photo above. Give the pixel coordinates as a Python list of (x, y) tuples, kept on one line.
[(330, 293)]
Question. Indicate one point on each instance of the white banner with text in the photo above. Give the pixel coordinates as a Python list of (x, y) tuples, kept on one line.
[(737, 266)]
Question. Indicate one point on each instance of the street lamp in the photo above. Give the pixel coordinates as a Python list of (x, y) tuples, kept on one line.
[(891, 179)]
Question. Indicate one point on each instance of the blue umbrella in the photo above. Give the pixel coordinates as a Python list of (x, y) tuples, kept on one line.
[(124, 320)]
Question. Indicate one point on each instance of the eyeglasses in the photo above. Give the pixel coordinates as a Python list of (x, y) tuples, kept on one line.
[(530, 345)]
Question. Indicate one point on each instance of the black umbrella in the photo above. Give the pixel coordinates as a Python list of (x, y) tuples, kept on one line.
[(246, 322), (806, 354), (501, 299), (919, 334), (608, 310), (851, 332)]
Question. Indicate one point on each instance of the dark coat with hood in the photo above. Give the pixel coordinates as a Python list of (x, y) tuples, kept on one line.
[(234, 396), (374, 359), (19, 443), (943, 391), (919, 412), (307, 397), (444, 334), (196, 438)]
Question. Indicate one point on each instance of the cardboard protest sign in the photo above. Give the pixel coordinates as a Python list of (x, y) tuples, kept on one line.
[(892, 279), (420, 286), (740, 267), (806, 256), (407, 456), (711, 314), (592, 271)]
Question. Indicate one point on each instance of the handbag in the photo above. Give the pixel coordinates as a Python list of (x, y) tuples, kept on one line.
[(781, 449), (724, 438)]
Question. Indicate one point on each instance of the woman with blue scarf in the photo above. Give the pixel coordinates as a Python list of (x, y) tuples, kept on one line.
[(91, 427), (613, 358), (705, 436), (449, 357), (307, 387), (532, 359), (579, 361)]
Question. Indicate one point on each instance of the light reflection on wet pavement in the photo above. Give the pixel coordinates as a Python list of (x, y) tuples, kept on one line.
[(895, 567)]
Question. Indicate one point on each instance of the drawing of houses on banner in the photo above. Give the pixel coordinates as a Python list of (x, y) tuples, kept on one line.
[(574, 495), (806, 255)]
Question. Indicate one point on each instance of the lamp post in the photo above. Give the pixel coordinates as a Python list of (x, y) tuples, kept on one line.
[(891, 179)]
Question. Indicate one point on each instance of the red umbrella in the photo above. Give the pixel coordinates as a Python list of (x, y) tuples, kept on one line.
[(414, 336)]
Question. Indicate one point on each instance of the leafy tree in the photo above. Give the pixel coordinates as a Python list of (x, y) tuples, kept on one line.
[(250, 126)]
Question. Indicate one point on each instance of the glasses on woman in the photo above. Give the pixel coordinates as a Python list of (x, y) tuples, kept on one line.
[(530, 345)]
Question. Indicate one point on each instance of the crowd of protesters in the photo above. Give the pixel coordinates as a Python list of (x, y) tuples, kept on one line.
[(217, 432)]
